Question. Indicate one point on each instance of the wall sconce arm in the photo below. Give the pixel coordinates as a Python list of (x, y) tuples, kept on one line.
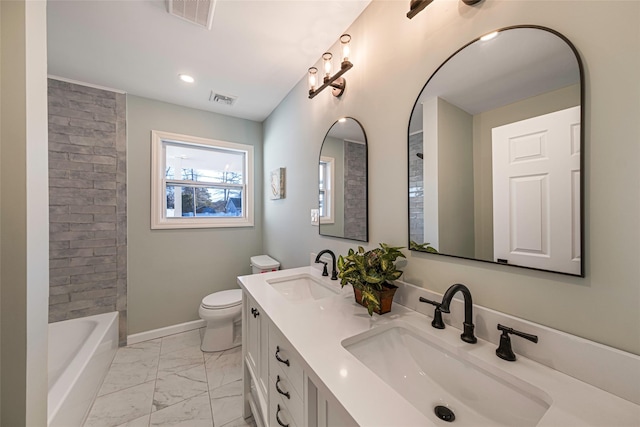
[(336, 81)]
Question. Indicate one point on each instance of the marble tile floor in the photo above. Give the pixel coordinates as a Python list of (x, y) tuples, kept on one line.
[(170, 382)]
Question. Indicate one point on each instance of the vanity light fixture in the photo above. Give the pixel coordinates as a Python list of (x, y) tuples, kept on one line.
[(415, 6), (337, 82)]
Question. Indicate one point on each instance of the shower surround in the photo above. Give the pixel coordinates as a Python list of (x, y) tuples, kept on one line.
[(87, 202)]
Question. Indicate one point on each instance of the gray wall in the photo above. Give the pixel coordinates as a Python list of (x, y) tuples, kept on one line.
[(24, 222), (455, 180), (171, 270), (87, 203), (611, 55)]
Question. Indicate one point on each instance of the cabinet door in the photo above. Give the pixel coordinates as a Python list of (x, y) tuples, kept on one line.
[(324, 410), (256, 344), (253, 336)]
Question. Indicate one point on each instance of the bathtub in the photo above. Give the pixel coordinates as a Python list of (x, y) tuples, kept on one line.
[(80, 353)]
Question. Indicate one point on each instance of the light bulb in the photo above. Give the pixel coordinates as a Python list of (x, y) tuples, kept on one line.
[(313, 78), (346, 50), (327, 64)]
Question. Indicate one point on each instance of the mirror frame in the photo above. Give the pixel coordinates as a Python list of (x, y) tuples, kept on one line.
[(366, 194), (582, 152)]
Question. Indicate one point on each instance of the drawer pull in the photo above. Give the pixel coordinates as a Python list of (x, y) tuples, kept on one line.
[(286, 362), (278, 418), (284, 393)]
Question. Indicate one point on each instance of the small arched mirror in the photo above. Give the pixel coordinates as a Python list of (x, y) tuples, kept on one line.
[(342, 182), (495, 153)]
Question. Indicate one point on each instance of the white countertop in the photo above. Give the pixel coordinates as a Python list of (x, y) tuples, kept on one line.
[(316, 329)]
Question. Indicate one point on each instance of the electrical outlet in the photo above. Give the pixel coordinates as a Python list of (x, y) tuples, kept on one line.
[(315, 217)]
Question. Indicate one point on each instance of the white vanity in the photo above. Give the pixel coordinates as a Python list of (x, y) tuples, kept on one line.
[(313, 357)]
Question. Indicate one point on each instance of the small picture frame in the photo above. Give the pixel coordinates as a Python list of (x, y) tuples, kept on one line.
[(276, 186)]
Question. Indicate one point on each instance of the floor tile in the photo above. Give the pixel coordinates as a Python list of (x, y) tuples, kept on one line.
[(225, 368), (131, 366), (226, 403), (180, 386), (194, 412), (180, 341), (138, 422), (241, 422), (122, 406), (179, 360)]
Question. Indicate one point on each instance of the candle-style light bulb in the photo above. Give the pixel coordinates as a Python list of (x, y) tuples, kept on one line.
[(313, 78), (326, 57), (346, 49)]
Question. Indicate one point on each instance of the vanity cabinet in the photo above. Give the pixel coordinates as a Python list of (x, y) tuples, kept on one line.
[(277, 389), (255, 339)]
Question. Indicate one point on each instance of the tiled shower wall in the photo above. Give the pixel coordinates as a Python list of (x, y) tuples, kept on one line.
[(416, 189), (355, 190), (87, 203)]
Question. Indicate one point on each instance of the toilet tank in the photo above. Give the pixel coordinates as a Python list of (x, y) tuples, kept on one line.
[(263, 264)]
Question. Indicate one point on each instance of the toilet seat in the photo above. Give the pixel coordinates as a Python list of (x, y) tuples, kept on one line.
[(222, 299)]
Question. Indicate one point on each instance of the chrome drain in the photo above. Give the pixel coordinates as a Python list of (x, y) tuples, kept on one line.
[(444, 413)]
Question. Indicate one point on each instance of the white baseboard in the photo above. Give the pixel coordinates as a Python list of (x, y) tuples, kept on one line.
[(163, 332)]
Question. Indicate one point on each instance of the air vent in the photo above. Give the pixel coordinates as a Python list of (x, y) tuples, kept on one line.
[(228, 100), (199, 12)]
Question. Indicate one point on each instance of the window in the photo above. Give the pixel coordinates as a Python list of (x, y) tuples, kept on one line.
[(200, 183), (326, 199)]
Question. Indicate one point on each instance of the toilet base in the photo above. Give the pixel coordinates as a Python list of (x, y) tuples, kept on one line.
[(220, 338)]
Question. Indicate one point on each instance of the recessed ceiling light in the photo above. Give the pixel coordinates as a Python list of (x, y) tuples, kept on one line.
[(489, 36), (186, 78)]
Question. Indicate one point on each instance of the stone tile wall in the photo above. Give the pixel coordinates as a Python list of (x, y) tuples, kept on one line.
[(87, 202), (355, 191), (416, 189)]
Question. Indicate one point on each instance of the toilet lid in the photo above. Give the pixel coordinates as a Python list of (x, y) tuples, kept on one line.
[(223, 299)]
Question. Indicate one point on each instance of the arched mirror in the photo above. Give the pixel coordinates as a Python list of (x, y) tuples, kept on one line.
[(495, 153), (342, 182)]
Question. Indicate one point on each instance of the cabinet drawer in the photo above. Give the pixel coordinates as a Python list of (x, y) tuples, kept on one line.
[(287, 398), (283, 359)]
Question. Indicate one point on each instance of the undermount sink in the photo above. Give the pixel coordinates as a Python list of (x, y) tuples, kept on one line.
[(429, 377), (302, 287)]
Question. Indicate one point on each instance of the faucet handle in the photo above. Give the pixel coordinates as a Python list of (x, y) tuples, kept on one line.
[(504, 350), (437, 314), (324, 268)]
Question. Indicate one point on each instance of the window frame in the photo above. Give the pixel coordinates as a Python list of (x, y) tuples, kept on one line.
[(159, 219), (329, 194)]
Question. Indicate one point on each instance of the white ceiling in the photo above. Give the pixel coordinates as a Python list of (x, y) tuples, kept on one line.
[(256, 50)]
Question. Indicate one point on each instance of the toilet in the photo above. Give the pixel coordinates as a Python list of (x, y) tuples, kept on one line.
[(222, 311)]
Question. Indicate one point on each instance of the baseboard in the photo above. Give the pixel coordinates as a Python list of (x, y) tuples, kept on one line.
[(163, 332)]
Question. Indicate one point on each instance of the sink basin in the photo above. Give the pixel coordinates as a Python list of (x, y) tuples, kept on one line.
[(302, 287), (429, 376)]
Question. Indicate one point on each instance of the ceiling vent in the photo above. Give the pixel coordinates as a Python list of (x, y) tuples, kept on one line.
[(199, 12), (228, 100)]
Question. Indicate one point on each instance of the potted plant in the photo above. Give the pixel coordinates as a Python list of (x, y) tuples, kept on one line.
[(371, 273)]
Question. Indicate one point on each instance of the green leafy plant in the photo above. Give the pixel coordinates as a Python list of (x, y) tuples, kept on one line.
[(370, 270), (422, 247)]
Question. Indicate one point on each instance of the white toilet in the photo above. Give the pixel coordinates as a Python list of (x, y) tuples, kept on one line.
[(222, 311)]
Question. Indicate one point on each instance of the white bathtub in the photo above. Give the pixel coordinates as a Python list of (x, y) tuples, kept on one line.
[(80, 353)]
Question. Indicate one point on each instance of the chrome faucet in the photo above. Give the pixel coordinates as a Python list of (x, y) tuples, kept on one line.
[(334, 272), (443, 307)]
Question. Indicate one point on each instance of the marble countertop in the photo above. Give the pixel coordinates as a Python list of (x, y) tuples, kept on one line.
[(316, 328)]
